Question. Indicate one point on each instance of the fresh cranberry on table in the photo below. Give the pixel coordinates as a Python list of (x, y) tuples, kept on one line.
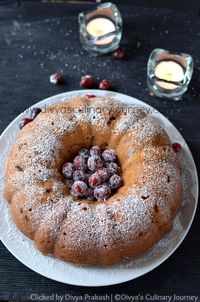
[(105, 85), (115, 182), (109, 155), (80, 163), (94, 163), (95, 150), (79, 188), (24, 122), (102, 192), (176, 147), (68, 170), (56, 78), (35, 112), (87, 81), (94, 180), (119, 54)]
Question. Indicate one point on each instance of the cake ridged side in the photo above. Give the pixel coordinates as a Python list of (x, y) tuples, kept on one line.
[(128, 223)]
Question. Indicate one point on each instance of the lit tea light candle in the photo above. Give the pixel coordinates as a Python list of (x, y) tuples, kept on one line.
[(169, 71), (99, 27)]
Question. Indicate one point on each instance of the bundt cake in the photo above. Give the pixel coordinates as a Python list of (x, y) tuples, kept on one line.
[(76, 229)]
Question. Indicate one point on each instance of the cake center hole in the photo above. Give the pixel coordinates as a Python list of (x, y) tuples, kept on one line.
[(93, 174)]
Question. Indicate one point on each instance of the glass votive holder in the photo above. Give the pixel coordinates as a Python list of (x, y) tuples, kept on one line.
[(169, 73), (101, 29)]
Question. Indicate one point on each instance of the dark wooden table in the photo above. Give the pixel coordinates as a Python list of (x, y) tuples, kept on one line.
[(38, 39)]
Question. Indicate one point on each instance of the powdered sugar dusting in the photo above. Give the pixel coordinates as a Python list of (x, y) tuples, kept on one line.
[(45, 140), (58, 268), (129, 121)]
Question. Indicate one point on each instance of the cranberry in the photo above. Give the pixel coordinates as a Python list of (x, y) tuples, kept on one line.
[(79, 175), (102, 192), (93, 174), (104, 84), (94, 163), (90, 96), (87, 176), (103, 173), (90, 194), (79, 188), (56, 78), (176, 147), (85, 153), (35, 112), (115, 181), (109, 155), (68, 170), (24, 122), (119, 54), (113, 168), (94, 180), (80, 163), (68, 182), (87, 81), (95, 150)]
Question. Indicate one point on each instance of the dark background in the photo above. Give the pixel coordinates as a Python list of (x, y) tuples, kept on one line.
[(38, 39)]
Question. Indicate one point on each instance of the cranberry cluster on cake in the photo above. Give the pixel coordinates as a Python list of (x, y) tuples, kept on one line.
[(63, 180), (94, 173)]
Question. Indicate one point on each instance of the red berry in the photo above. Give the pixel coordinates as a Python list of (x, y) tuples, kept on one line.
[(80, 163), (95, 150), (115, 181), (24, 122), (87, 81), (35, 112), (102, 192), (79, 188), (103, 173), (109, 155), (94, 163), (87, 176), (79, 175), (92, 174), (176, 147), (90, 96), (94, 180), (105, 85), (56, 78), (85, 153), (119, 54), (68, 170), (113, 168)]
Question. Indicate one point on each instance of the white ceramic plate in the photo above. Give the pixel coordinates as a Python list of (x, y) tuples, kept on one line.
[(24, 250)]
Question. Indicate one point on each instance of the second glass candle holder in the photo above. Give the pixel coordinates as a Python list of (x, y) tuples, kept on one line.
[(101, 29), (169, 73)]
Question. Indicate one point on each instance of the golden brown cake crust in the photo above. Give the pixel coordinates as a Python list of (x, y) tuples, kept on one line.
[(129, 222)]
